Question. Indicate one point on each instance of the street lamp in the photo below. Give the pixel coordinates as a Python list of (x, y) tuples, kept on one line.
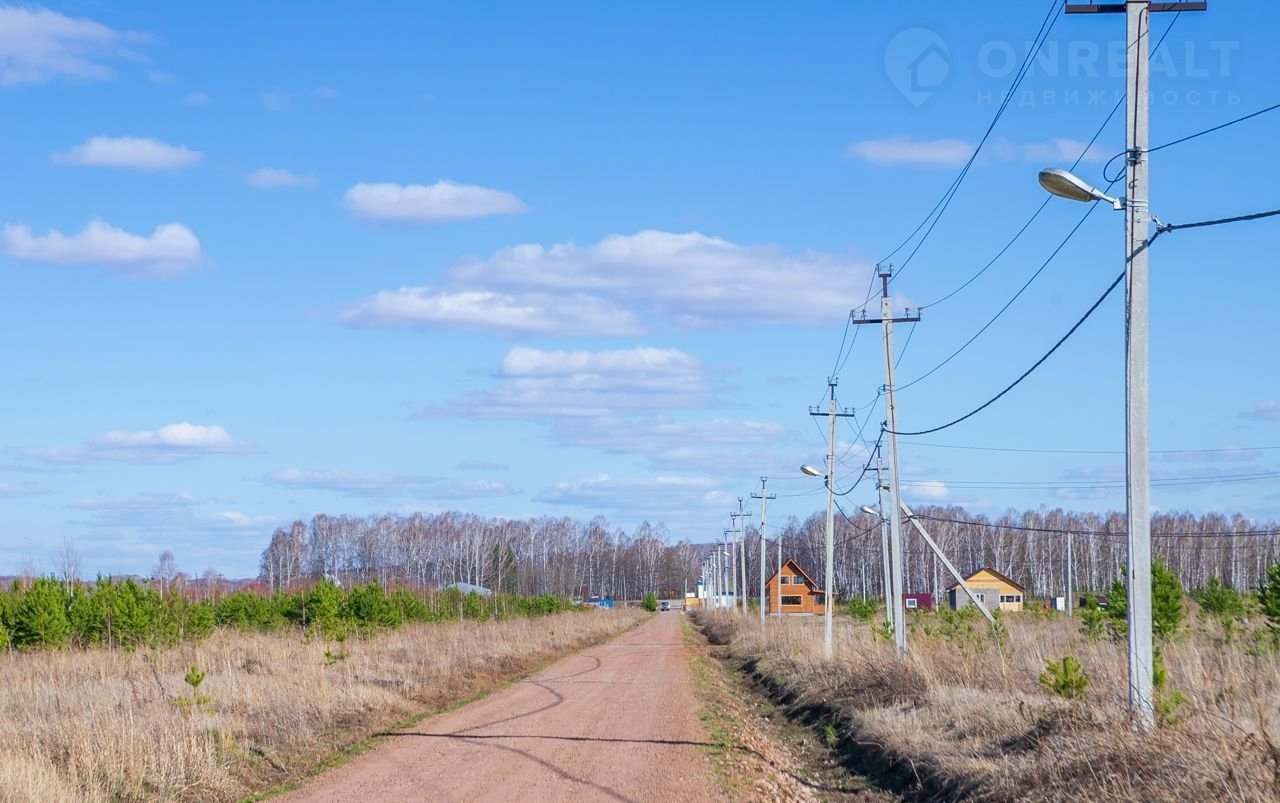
[(1137, 447), (1067, 185), (867, 509), (829, 603)]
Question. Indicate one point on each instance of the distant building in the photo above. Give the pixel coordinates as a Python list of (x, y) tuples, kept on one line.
[(792, 591), (917, 602), (993, 590), (469, 588)]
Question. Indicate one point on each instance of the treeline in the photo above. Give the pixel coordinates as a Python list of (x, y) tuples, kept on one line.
[(558, 556), (1031, 547), (565, 557), (50, 614)]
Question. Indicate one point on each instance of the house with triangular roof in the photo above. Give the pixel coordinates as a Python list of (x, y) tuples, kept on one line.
[(994, 590), (792, 591)]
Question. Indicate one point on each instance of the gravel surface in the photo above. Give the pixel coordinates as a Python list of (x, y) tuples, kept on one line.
[(614, 722)]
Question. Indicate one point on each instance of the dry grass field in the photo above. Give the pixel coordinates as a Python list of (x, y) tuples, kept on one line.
[(965, 716), (111, 725)]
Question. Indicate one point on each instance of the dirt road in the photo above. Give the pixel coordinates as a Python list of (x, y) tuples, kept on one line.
[(615, 722)]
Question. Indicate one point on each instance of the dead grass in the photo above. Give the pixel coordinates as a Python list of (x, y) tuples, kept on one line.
[(99, 725), (962, 717)]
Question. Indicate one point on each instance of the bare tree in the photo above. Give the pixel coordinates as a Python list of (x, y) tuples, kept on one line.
[(67, 562), (165, 572)]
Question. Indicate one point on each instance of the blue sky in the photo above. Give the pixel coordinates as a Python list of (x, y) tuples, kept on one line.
[(588, 258)]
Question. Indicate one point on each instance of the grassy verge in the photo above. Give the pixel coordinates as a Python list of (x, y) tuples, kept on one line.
[(99, 725), (964, 714), (755, 753)]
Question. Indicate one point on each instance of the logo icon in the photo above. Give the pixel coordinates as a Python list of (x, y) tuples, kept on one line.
[(917, 62)]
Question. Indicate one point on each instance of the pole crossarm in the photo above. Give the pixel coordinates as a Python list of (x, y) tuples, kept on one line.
[(1119, 8)]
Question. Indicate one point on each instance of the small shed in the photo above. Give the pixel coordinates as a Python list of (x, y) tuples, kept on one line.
[(994, 590), (792, 591), (917, 602)]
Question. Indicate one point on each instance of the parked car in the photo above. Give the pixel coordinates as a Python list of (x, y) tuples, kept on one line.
[(664, 606)]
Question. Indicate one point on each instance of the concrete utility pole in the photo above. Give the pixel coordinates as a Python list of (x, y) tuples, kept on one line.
[(1137, 228), (764, 509), (1070, 603), (829, 591), (742, 551), (713, 586), (884, 541), (731, 584), (887, 320)]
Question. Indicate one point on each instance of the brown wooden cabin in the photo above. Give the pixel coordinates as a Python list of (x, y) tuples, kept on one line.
[(792, 591)]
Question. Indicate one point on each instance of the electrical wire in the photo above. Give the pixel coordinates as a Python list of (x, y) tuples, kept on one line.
[(1077, 531), (940, 208), (1021, 231), (1071, 234), (1027, 372), (1039, 209), (1089, 451), (1196, 135), (1238, 219), (1050, 485)]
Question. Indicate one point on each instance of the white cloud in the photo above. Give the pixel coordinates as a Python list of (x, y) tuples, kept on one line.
[(481, 465), (22, 490), (1264, 411), (1225, 454), (197, 99), (605, 289), (325, 93), (485, 311), (265, 178), (162, 77), (894, 151), (149, 512), (137, 153), (235, 520), (932, 490), (385, 486), (668, 444), (583, 384), (168, 444), (639, 361), (660, 493), (168, 251), (1060, 150), (38, 45), (275, 101), (692, 279), (907, 151), (418, 203)]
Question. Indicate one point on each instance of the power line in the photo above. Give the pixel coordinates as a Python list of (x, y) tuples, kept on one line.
[(1081, 485), (1071, 234), (1214, 129), (1220, 221), (1226, 449), (1036, 214), (940, 208), (1085, 152), (1030, 370), (1079, 531)]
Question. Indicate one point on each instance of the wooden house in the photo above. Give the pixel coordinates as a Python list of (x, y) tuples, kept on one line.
[(993, 590), (792, 591)]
